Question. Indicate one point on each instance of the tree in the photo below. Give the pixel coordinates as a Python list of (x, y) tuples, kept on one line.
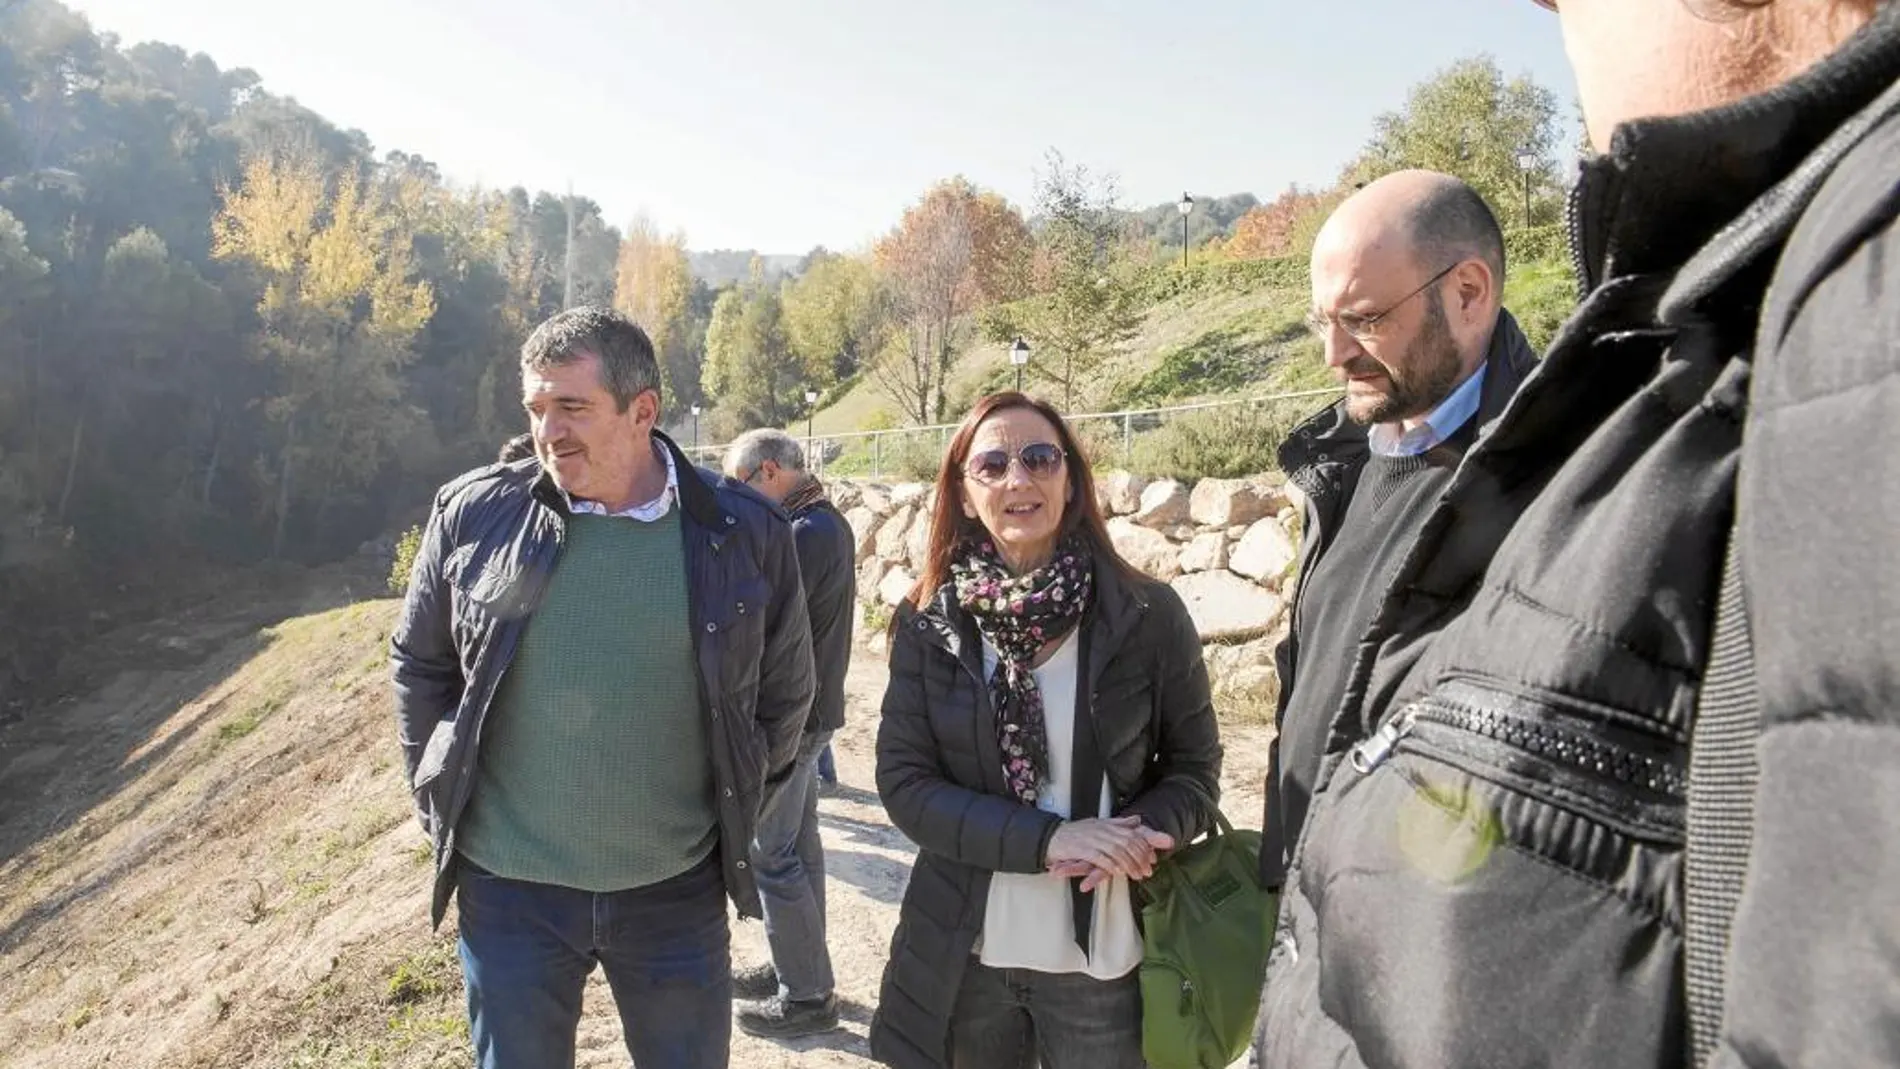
[(1469, 120), (338, 313), (954, 250), (837, 316), (750, 370), (654, 285), (1273, 229), (1087, 308)]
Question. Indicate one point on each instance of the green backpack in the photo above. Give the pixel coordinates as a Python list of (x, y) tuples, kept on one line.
[(1206, 928)]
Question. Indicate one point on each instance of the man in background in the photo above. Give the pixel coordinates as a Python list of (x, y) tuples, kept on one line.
[(793, 994)]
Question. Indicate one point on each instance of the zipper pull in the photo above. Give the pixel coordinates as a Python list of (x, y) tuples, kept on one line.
[(1372, 753), (1187, 997)]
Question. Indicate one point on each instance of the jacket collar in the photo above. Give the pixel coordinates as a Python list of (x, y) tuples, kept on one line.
[(698, 498), (1331, 436)]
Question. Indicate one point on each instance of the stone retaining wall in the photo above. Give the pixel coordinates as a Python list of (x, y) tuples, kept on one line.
[(1227, 546)]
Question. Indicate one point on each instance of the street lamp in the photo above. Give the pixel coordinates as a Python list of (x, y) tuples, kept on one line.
[(1526, 160), (1019, 355), (811, 407), (1186, 206), (695, 428)]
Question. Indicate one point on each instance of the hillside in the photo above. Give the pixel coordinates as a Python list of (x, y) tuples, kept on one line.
[(1225, 329), (210, 861)]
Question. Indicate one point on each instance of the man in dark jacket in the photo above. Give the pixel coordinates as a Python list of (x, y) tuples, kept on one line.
[(1408, 276), (794, 992), (603, 658), (1613, 782)]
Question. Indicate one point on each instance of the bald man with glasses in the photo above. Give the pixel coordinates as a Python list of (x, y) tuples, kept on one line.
[(1407, 278)]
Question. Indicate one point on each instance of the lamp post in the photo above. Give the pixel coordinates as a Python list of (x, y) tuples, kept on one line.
[(1019, 355), (695, 428), (811, 408), (1186, 206), (1526, 159)]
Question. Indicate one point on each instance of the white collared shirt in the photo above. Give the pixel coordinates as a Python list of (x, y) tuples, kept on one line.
[(648, 513)]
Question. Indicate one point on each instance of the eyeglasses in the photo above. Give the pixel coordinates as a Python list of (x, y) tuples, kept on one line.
[(1040, 460), (1364, 327), (1547, 5)]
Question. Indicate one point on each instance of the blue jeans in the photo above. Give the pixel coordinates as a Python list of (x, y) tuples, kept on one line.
[(527, 950), (789, 860)]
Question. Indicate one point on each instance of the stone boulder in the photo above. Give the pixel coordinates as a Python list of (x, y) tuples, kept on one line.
[(1228, 502), (917, 545), (864, 524), (891, 537), (1164, 504), (895, 585), (1264, 552), (1227, 608), (908, 494), (1119, 492), (1146, 549), (1206, 553), (870, 574), (876, 498)]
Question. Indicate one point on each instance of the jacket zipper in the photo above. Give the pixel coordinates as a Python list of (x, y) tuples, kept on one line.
[(1573, 227), (1575, 748)]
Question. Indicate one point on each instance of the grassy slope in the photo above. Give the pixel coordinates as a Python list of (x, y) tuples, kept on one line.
[(248, 887), (1208, 344)]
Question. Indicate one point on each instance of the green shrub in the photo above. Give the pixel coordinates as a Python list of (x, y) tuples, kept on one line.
[(1219, 443), (405, 560), (1535, 244), (1541, 295)]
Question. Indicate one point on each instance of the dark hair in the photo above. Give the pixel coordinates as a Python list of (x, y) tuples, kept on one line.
[(628, 368), (520, 447), (950, 529), (1453, 224)]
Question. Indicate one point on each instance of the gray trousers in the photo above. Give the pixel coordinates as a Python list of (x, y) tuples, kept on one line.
[(1020, 1018), (789, 861)]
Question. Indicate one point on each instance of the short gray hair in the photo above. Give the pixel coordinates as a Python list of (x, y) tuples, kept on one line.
[(627, 364), (753, 448)]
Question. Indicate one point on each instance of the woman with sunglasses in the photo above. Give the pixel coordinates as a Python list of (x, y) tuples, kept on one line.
[(1047, 733)]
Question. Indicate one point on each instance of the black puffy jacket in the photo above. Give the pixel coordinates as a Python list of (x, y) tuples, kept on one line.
[(940, 774), (1492, 871), (492, 540)]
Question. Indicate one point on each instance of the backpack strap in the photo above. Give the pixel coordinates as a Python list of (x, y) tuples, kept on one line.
[(1722, 779), (1273, 844)]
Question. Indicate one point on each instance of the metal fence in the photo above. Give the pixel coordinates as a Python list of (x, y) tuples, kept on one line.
[(1245, 425)]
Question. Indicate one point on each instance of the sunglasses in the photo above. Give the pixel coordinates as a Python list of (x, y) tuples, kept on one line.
[(1040, 460)]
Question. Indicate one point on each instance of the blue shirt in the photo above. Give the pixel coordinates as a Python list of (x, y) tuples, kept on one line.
[(1388, 439)]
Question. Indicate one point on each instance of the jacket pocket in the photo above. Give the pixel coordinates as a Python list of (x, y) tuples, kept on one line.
[(1495, 876)]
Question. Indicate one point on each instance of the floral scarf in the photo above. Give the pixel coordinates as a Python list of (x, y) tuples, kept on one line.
[(1019, 614)]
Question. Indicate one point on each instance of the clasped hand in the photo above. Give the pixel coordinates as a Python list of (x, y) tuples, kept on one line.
[(1100, 848)]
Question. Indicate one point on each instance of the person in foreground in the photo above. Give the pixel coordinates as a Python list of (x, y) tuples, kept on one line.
[(1047, 733), (1408, 276), (603, 657), (792, 995), (1614, 780)]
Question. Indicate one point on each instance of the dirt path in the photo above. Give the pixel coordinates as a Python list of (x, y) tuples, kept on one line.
[(208, 861)]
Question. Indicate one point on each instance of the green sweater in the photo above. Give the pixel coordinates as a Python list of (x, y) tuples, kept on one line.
[(595, 769)]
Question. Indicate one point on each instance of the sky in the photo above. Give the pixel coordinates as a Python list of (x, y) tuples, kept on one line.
[(780, 125)]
